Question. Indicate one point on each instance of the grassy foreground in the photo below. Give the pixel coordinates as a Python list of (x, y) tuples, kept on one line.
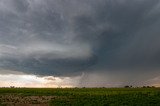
[(80, 96)]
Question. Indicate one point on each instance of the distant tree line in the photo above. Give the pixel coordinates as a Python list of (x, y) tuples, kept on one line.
[(130, 86)]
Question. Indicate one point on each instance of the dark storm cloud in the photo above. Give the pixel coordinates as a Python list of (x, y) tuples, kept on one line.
[(63, 37), (121, 29)]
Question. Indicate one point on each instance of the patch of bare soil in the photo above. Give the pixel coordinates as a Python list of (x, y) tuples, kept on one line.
[(19, 100)]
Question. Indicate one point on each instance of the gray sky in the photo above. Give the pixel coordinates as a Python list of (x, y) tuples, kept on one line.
[(99, 40)]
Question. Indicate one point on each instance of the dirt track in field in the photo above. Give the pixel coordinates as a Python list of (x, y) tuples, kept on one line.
[(19, 100)]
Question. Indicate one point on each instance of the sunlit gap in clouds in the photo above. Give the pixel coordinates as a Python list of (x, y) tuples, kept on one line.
[(34, 81), (94, 79)]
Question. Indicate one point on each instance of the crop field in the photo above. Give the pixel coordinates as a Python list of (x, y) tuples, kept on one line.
[(79, 96)]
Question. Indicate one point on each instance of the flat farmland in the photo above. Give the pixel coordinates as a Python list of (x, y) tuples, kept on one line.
[(79, 96)]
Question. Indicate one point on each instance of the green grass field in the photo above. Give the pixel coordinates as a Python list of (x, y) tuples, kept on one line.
[(80, 96)]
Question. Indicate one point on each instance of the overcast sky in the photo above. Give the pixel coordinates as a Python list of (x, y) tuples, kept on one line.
[(95, 42)]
